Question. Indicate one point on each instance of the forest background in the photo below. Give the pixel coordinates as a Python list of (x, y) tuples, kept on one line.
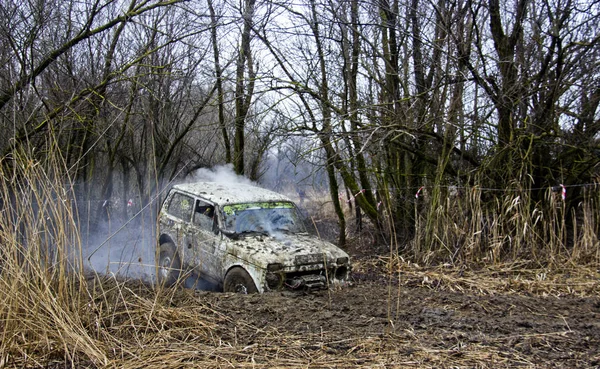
[(449, 131)]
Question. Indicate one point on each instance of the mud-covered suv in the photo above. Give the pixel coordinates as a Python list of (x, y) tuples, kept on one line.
[(244, 239)]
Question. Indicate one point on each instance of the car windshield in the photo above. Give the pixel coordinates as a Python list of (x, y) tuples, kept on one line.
[(262, 217)]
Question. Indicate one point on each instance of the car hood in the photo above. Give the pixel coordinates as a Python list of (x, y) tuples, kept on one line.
[(286, 249)]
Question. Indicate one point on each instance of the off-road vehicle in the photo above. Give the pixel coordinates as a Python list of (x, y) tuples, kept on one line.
[(242, 238)]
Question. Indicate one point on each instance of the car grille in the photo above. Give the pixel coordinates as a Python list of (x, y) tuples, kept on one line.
[(309, 259)]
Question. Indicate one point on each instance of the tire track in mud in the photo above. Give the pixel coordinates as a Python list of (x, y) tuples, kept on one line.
[(417, 322)]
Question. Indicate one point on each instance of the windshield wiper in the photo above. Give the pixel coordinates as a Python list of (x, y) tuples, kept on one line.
[(235, 235), (283, 229), (253, 231)]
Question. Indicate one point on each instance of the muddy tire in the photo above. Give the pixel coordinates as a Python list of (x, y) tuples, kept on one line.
[(169, 264), (239, 281)]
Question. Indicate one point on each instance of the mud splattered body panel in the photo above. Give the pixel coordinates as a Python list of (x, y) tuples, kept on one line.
[(218, 227)]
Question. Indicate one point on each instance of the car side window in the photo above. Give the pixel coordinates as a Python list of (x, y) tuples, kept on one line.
[(204, 215), (181, 206)]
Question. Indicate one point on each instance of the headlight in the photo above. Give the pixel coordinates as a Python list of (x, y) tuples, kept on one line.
[(275, 276), (342, 261), (274, 267), (341, 273)]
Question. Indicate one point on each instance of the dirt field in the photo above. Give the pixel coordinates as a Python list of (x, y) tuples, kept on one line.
[(420, 319)]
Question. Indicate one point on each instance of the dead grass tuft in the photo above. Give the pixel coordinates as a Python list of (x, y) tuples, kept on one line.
[(515, 278)]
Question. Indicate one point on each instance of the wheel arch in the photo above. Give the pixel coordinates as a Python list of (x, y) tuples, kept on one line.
[(253, 271), (164, 238)]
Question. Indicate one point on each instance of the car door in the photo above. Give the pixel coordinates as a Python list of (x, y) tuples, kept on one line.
[(206, 241), (179, 221)]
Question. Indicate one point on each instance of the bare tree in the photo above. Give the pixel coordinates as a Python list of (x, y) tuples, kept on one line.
[(219, 82), (244, 86)]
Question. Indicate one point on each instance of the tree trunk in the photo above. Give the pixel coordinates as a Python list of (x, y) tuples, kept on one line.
[(219, 82), (243, 94)]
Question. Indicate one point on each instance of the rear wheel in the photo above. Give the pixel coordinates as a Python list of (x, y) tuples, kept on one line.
[(239, 281), (169, 264)]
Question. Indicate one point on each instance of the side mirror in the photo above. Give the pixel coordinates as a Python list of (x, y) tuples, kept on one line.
[(230, 234)]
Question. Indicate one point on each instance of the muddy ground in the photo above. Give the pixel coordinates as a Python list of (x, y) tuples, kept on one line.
[(392, 315), (418, 319)]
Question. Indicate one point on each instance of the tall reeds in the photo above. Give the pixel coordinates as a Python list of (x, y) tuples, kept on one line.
[(45, 297), (485, 226)]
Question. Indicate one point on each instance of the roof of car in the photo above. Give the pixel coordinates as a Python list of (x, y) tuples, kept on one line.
[(232, 193)]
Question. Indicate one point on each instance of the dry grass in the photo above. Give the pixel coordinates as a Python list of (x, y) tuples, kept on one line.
[(497, 279), (509, 228), (132, 325)]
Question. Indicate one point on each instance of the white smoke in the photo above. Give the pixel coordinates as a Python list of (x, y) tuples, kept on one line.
[(222, 174), (122, 248)]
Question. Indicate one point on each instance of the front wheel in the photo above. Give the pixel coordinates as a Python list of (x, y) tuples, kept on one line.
[(239, 281), (169, 264)]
